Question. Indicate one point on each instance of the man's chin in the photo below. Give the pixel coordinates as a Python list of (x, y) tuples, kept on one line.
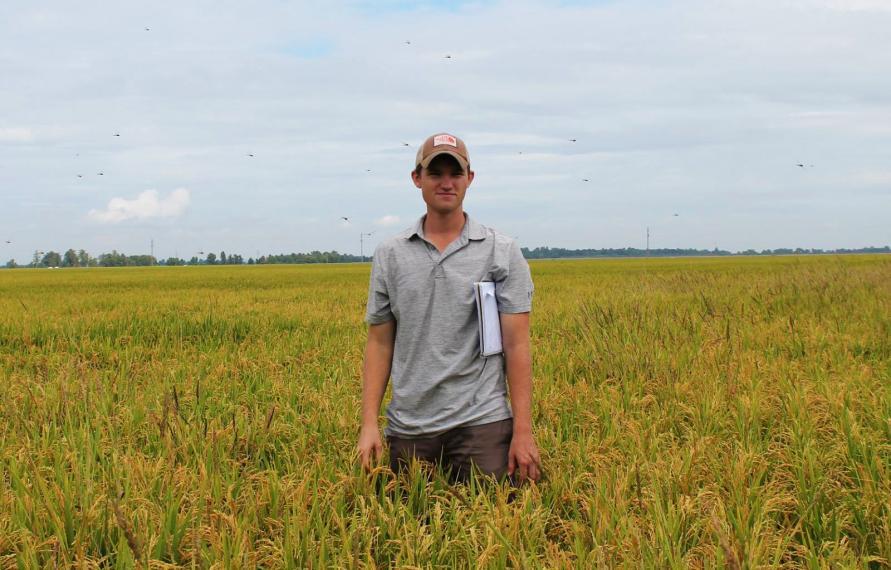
[(444, 209)]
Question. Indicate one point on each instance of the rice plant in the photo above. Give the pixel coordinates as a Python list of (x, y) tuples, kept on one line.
[(702, 413)]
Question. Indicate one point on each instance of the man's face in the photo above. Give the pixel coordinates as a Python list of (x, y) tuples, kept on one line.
[(443, 184)]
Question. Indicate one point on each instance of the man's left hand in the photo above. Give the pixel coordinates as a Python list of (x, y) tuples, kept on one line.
[(523, 457)]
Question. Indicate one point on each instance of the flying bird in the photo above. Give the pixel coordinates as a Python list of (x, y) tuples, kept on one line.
[(80, 175), (344, 218), (7, 241), (250, 154), (408, 43), (100, 173), (405, 144), (675, 215), (367, 170), (572, 140), (116, 135), (448, 57), (585, 180), (147, 29)]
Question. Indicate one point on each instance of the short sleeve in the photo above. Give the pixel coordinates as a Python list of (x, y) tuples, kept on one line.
[(514, 292), (378, 308)]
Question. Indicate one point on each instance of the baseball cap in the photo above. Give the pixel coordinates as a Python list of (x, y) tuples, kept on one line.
[(442, 143)]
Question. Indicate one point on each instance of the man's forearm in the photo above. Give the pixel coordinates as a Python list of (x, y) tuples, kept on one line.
[(519, 379), (373, 388), (376, 372)]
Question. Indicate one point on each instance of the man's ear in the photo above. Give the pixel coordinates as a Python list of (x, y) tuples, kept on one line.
[(416, 178), (469, 176)]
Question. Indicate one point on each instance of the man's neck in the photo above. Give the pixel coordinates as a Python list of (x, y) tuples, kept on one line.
[(449, 224)]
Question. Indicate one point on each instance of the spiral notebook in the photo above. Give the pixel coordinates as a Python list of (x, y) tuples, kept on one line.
[(489, 321)]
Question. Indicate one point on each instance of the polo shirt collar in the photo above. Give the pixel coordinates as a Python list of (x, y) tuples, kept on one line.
[(471, 230)]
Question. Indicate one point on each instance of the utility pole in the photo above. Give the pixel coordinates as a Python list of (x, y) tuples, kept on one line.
[(152, 260), (362, 236)]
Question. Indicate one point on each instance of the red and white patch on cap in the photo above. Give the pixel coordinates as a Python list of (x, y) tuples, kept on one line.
[(445, 139)]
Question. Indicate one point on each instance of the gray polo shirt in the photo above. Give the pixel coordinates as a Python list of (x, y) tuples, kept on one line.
[(439, 380)]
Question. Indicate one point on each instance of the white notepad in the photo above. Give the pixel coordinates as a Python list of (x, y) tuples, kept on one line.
[(489, 321)]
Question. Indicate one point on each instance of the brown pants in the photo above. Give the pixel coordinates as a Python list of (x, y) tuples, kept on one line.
[(459, 451)]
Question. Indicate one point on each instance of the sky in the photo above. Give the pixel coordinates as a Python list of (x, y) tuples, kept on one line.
[(253, 127)]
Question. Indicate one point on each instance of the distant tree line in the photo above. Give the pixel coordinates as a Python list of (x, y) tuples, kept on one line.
[(81, 258), (559, 252), (312, 257)]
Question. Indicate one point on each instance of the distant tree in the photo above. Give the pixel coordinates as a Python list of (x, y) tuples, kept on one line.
[(70, 259), (194, 261), (84, 259), (11, 264), (211, 258), (223, 257), (51, 259), (311, 257), (113, 259), (35, 260), (141, 260), (117, 259), (250, 261)]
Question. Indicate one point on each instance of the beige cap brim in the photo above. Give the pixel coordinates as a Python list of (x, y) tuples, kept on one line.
[(426, 162)]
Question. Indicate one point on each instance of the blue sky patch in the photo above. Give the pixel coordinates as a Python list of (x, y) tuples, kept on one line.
[(308, 49), (388, 6)]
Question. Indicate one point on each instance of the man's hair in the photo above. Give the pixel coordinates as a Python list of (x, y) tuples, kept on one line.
[(456, 164)]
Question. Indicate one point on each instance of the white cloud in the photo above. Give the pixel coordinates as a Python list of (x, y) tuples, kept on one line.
[(875, 178), (146, 205), (860, 5), (16, 134), (386, 221)]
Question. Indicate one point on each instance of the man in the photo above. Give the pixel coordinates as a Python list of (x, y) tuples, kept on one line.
[(449, 404)]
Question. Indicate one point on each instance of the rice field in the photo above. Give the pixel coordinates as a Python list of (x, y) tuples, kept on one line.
[(704, 413)]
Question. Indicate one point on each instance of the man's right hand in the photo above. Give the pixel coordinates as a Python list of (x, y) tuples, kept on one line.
[(375, 375), (370, 447)]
